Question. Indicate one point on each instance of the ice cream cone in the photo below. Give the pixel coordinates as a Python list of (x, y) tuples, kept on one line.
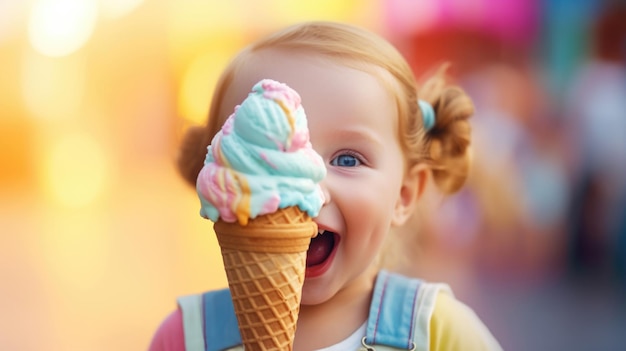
[(265, 263)]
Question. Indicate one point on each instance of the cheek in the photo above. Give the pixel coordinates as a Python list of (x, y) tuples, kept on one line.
[(368, 203)]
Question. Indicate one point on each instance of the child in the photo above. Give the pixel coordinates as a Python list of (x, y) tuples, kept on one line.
[(381, 140)]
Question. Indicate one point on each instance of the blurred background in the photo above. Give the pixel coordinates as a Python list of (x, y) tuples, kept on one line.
[(99, 234)]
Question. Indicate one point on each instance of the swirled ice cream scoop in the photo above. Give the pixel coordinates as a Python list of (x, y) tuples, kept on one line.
[(261, 160)]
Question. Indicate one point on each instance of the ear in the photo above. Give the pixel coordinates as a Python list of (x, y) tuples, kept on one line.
[(411, 191)]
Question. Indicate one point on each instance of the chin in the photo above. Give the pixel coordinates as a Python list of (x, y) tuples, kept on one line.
[(316, 291)]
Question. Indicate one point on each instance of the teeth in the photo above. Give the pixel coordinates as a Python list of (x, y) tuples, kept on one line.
[(320, 231)]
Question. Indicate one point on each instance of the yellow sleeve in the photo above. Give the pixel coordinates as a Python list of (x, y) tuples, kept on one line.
[(454, 326)]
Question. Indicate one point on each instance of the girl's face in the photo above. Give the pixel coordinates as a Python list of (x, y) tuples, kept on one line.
[(353, 126)]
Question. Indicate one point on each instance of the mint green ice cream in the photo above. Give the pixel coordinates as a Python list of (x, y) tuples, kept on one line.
[(261, 160)]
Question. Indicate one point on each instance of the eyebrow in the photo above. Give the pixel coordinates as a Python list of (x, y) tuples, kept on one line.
[(357, 134)]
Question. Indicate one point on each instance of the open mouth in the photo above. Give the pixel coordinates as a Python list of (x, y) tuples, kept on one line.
[(321, 252)]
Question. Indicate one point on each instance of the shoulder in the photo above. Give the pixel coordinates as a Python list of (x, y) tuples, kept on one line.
[(455, 326), (170, 335)]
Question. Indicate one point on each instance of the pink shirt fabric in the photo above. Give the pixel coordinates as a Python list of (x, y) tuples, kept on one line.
[(170, 336)]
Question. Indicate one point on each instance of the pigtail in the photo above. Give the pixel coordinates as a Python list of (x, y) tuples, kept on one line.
[(447, 142), (192, 153), (193, 148)]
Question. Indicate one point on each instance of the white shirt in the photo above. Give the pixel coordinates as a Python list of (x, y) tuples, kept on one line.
[(352, 342)]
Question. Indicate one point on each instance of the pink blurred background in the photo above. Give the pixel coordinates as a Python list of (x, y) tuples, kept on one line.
[(99, 235)]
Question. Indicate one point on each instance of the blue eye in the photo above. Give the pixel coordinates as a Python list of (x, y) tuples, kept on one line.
[(345, 160)]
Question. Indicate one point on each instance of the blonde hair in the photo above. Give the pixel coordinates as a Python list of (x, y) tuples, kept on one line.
[(444, 147)]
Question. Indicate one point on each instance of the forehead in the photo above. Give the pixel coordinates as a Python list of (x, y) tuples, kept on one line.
[(325, 86)]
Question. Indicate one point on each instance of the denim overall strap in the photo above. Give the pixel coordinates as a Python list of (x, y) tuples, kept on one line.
[(220, 322), (392, 312)]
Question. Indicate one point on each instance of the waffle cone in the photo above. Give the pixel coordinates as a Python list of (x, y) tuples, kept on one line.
[(265, 263)]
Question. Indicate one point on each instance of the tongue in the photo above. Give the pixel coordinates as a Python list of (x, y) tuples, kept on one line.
[(320, 248)]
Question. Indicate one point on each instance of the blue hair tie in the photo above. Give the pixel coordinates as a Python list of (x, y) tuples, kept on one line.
[(428, 114)]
